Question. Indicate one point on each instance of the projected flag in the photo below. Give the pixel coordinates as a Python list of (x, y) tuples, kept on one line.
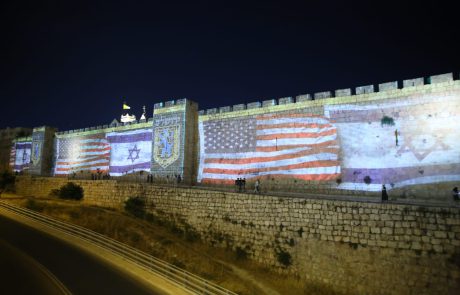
[(12, 155), (282, 145), (20, 155), (420, 151), (85, 153), (130, 151)]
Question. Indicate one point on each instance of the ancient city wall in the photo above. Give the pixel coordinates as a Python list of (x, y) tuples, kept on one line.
[(403, 138), (351, 247), (342, 143)]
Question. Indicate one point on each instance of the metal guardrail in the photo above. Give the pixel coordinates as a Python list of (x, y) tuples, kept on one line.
[(179, 277)]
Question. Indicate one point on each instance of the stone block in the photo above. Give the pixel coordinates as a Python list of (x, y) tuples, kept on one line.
[(201, 112), (254, 105), (239, 107), (303, 97), (269, 103), (158, 105), (225, 109), (364, 89), (413, 82), (343, 92), (181, 101), (169, 103), (441, 78), (323, 94), (388, 86), (285, 100), (211, 111)]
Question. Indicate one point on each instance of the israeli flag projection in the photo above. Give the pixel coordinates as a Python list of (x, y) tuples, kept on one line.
[(130, 151)]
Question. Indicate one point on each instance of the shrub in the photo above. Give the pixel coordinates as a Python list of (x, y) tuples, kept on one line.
[(387, 121), (7, 180), (367, 179), (241, 253), (135, 206), (70, 191), (34, 205), (284, 257)]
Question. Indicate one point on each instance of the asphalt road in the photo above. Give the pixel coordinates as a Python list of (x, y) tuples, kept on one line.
[(32, 262)]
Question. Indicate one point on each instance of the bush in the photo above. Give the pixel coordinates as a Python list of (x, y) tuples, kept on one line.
[(7, 180), (387, 121), (284, 258), (367, 179), (241, 253), (135, 206), (70, 191), (34, 205)]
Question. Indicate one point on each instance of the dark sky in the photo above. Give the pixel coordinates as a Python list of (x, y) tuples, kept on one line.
[(69, 63)]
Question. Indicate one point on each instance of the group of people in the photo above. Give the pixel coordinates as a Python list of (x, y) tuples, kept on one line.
[(455, 194), (240, 183)]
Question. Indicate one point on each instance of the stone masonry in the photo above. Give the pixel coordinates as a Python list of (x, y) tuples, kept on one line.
[(352, 247)]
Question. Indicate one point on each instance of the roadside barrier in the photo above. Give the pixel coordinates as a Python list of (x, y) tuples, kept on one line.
[(182, 278)]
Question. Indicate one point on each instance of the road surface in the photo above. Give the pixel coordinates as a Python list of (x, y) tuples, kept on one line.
[(33, 262)]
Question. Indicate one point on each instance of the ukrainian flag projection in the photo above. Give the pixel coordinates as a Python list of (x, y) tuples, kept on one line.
[(20, 156)]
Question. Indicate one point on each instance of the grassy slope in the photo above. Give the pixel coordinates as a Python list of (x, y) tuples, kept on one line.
[(215, 264)]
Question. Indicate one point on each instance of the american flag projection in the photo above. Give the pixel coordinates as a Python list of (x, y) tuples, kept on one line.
[(130, 151), (298, 146), (84, 153), (20, 156)]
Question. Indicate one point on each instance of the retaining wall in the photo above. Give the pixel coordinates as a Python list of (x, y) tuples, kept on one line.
[(351, 247)]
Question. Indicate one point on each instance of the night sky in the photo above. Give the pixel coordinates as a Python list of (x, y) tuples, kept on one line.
[(68, 64)]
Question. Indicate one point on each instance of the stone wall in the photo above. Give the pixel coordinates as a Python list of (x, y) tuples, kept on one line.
[(352, 143), (352, 247)]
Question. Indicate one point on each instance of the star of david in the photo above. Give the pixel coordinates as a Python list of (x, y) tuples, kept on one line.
[(421, 145), (131, 153)]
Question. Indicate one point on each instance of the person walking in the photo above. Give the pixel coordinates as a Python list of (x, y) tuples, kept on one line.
[(257, 187), (455, 194), (384, 193)]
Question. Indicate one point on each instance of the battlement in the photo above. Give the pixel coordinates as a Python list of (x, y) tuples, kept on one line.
[(23, 139), (359, 91), (138, 124), (171, 106)]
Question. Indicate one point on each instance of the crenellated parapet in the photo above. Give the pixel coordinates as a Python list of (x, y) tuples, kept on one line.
[(114, 126), (333, 97)]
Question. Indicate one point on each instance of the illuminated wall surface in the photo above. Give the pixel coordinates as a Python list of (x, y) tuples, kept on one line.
[(421, 147), (130, 151), (115, 152), (20, 156), (82, 153), (296, 145), (401, 141), (397, 137)]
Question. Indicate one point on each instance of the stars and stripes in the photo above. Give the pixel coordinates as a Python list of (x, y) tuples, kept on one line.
[(280, 145), (20, 156), (85, 153)]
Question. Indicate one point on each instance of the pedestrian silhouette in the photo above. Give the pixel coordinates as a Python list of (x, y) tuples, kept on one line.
[(384, 193)]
